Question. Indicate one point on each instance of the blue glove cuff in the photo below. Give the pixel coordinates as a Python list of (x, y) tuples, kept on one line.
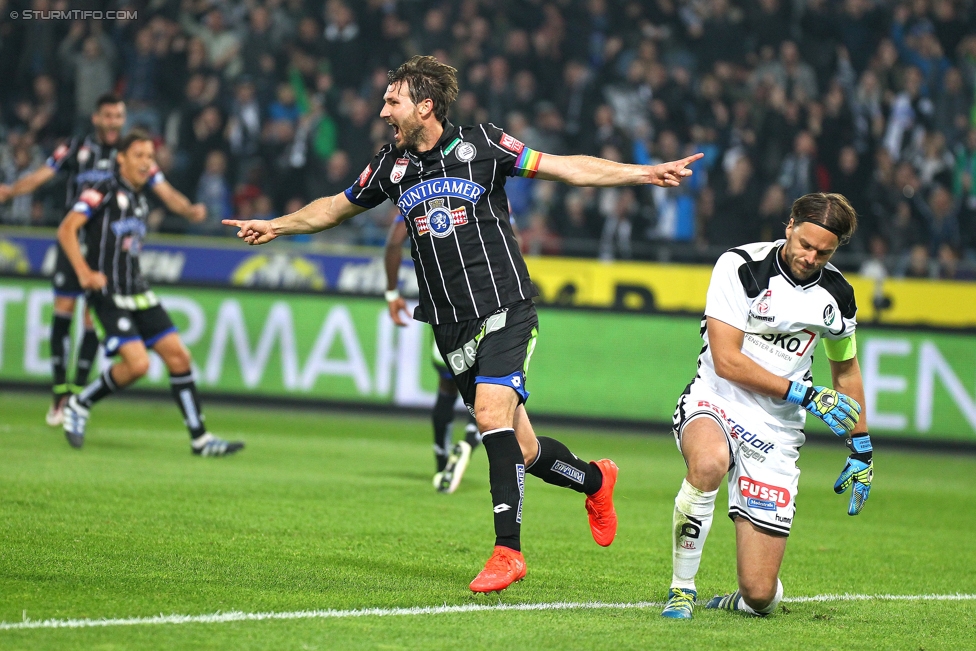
[(860, 444), (797, 393)]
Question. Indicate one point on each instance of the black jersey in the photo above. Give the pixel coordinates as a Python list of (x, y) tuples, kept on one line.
[(86, 162), (114, 232), (453, 201)]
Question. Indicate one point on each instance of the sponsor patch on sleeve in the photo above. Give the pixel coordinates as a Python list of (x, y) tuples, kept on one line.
[(92, 197), (60, 153), (364, 177), (156, 176), (511, 144)]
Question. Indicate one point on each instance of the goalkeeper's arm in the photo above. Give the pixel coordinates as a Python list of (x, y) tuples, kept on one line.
[(847, 379)]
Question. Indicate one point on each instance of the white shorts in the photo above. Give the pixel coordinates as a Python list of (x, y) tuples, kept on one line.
[(763, 476)]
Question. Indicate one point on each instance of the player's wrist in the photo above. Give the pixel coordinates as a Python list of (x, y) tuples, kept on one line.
[(391, 295), (799, 394), (860, 447)]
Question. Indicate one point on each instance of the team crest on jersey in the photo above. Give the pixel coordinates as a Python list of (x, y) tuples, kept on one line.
[(511, 144), (83, 155), (439, 220), (828, 315), (399, 169), (103, 164), (122, 200), (466, 152), (760, 310), (365, 176)]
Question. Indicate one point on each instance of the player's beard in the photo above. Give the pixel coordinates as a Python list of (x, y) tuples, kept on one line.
[(411, 136)]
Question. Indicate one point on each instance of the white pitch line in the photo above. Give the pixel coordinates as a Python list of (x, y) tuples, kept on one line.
[(236, 616)]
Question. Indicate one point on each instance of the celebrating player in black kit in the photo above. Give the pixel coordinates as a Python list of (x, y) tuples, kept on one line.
[(449, 183), (113, 214), (86, 161)]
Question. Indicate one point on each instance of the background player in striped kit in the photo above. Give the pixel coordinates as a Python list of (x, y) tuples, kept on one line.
[(448, 182), (86, 161), (114, 212)]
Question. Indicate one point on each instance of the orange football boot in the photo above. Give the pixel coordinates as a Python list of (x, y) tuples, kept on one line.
[(505, 567), (603, 517)]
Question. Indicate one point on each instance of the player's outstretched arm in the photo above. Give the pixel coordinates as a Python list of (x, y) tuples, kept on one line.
[(392, 256), (601, 173), (27, 184), (320, 215), (177, 202)]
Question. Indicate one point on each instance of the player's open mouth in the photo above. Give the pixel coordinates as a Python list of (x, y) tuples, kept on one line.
[(396, 131)]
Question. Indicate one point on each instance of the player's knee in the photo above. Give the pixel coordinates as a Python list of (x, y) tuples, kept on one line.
[(138, 365), (706, 472), (758, 592), (179, 361)]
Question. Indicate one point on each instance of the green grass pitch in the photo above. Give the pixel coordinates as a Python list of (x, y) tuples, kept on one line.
[(332, 511)]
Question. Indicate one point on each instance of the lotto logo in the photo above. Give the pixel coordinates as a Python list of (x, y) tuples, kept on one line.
[(501, 508), (92, 197), (365, 176), (511, 144), (757, 491)]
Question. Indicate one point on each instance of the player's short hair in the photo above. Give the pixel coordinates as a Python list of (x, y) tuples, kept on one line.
[(107, 98), (428, 78), (828, 210), (134, 136)]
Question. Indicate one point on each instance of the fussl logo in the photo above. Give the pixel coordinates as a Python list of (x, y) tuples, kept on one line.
[(765, 492)]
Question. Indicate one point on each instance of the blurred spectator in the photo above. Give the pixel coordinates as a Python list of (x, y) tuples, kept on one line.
[(223, 45), (214, 193), (797, 175), (918, 264), (89, 61)]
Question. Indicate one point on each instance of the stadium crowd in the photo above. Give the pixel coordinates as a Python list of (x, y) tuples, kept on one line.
[(259, 107)]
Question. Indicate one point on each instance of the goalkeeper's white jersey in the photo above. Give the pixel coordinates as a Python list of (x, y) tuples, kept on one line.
[(783, 321)]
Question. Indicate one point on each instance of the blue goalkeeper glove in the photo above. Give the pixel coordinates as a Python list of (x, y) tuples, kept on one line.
[(857, 473), (840, 412)]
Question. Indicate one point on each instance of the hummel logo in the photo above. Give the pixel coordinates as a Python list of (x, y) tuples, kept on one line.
[(501, 508)]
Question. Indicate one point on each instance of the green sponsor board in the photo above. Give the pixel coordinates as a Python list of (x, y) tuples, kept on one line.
[(588, 364)]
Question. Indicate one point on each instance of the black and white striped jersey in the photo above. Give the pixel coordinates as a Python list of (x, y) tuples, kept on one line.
[(115, 231), (453, 201), (783, 319), (86, 162)]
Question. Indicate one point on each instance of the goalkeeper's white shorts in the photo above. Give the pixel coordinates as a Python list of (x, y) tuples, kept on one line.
[(763, 476)]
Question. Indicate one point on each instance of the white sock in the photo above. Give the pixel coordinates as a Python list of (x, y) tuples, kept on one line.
[(768, 609), (693, 511)]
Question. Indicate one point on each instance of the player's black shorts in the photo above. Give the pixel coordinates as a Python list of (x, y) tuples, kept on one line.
[(65, 280), (120, 319), (491, 350)]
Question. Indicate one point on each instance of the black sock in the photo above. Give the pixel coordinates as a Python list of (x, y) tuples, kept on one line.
[(60, 350), (506, 475), (557, 465), (184, 391), (86, 357), (471, 433), (443, 416), (101, 387)]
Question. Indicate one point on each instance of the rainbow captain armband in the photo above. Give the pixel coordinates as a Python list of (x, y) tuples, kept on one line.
[(841, 350), (527, 163)]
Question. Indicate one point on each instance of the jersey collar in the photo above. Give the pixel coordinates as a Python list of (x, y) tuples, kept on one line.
[(788, 275), (446, 137)]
